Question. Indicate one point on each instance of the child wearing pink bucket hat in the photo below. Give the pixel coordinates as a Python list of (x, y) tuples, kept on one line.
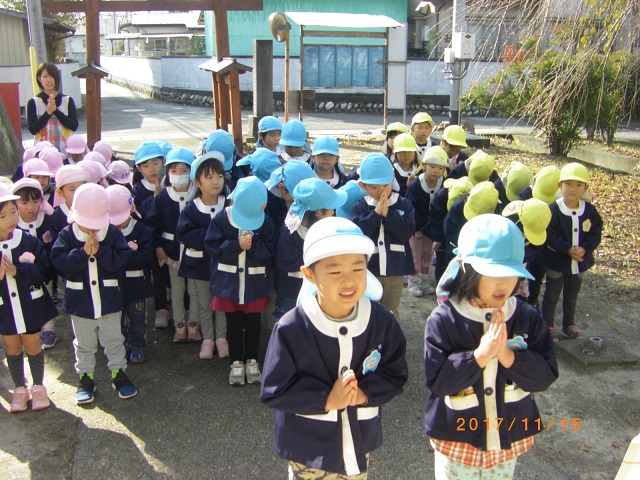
[(137, 275), (120, 174), (241, 243), (75, 149), (91, 254), (26, 305), (94, 169), (38, 169), (106, 151)]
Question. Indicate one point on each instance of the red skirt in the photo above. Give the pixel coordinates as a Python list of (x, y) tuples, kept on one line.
[(219, 304)]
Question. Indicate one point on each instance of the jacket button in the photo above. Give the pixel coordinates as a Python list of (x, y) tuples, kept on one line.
[(487, 317), (343, 369), (92, 259), (573, 213), (343, 330), (380, 242), (93, 282), (241, 269), (31, 226), (5, 246), (213, 209), (14, 294), (182, 199), (488, 391)]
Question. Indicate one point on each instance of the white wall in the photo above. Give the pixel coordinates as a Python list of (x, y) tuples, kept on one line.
[(424, 77)]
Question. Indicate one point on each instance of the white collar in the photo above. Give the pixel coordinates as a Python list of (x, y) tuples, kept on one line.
[(64, 208), (354, 327), (209, 209), (230, 217), (129, 228), (333, 181), (401, 171), (14, 241), (36, 223), (182, 196), (479, 315), (148, 185), (302, 231), (373, 202), (83, 237), (427, 188), (569, 211)]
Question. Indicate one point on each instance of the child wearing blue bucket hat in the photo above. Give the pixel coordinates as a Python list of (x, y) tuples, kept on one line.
[(293, 142), (387, 219), (222, 141), (280, 185), (162, 221), (313, 201), (325, 161), (354, 193), (269, 133), (262, 163), (485, 353), (241, 243), (333, 360)]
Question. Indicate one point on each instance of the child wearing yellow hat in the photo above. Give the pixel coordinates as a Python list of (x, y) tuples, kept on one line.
[(421, 127), (573, 234), (483, 170), (405, 151), (393, 130), (516, 178), (454, 140)]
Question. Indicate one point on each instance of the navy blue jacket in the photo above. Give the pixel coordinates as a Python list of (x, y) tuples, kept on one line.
[(162, 219), (462, 392), (143, 193), (276, 210), (400, 179), (569, 228), (453, 223), (391, 234), (339, 178), (239, 275), (58, 220), (526, 194), (25, 303), (92, 282), (288, 260), (303, 363), (136, 281), (420, 196), (437, 214), (192, 226)]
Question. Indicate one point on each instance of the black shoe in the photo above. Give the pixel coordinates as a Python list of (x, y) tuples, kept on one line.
[(123, 385), (86, 390)]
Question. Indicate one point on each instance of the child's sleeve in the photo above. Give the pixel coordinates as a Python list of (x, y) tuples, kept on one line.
[(263, 245), (401, 222), (282, 388), (555, 239), (448, 372), (217, 245), (592, 238), (287, 258), (64, 257), (387, 380), (188, 232), (154, 220), (437, 213), (535, 368), (144, 255), (366, 218), (114, 256), (32, 273)]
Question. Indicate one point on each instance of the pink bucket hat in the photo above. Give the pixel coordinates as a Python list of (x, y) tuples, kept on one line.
[(90, 207), (120, 172), (94, 170), (6, 194), (28, 154), (75, 144), (41, 145), (30, 182), (120, 204), (105, 149), (53, 159), (70, 174), (96, 157), (36, 166)]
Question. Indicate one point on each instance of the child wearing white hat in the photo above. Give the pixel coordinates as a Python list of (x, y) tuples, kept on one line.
[(485, 352), (327, 420), (91, 254)]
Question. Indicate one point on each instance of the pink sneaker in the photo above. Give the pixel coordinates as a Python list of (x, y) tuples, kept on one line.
[(39, 397), (162, 318), (193, 333), (21, 397), (181, 333), (223, 347), (206, 350)]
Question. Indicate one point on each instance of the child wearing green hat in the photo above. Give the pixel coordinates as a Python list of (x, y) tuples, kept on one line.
[(393, 130), (454, 140), (573, 234), (516, 178), (405, 151), (483, 170)]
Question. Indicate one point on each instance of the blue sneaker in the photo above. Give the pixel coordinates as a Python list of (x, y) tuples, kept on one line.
[(48, 340), (86, 390), (123, 385), (136, 356)]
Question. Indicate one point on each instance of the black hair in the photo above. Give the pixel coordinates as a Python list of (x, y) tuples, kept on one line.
[(137, 174), (53, 72), (211, 165), (311, 218), (387, 149), (465, 285), (167, 180), (29, 193), (4, 204)]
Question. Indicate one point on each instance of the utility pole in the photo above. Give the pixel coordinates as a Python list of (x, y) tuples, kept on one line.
[(36, 29), (459, 25)]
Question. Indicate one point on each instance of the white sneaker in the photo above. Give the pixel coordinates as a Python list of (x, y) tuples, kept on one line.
[(426, 285), (207, 348), (253, 372), (236, 376)]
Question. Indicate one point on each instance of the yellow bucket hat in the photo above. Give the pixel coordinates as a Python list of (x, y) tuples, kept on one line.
[(534, 215), (405, 143), (574, 171), (422, 117), (481, 166), (455, 135), (518, 178), (457, 187), (483, 198), (436, 156), (546, 184)]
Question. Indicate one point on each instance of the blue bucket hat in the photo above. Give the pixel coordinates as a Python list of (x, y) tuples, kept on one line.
[(326, 144), (165, 146), (291, 174), (376, 169), (180, 155), (354, 193), (249, 202), (312, 194), (294, 134), (221, 141), (198, 161), (146, 151), (262, 162), (268, 124), (493, 245)]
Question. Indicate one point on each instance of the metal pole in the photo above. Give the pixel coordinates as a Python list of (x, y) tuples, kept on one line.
[(36, 29), (459, 25), (301, 60), (286, 78), (385, 115)]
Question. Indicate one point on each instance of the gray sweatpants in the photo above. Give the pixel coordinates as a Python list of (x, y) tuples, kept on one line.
[(200, 310), (88, 332)]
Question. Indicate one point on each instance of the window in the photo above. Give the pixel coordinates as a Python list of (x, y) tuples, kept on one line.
[(343, 66)]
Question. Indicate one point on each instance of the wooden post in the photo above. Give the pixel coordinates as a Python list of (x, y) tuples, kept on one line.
[(92, 80), (222, 50)]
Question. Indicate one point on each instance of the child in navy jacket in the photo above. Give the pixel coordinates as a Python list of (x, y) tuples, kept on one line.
[(136, 278), (387, 219), (241, 243), (325, 161), (207, 173), (406, 162), (91, 253), (485, 353), (573, 234), (25, 304), (334, 360)]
